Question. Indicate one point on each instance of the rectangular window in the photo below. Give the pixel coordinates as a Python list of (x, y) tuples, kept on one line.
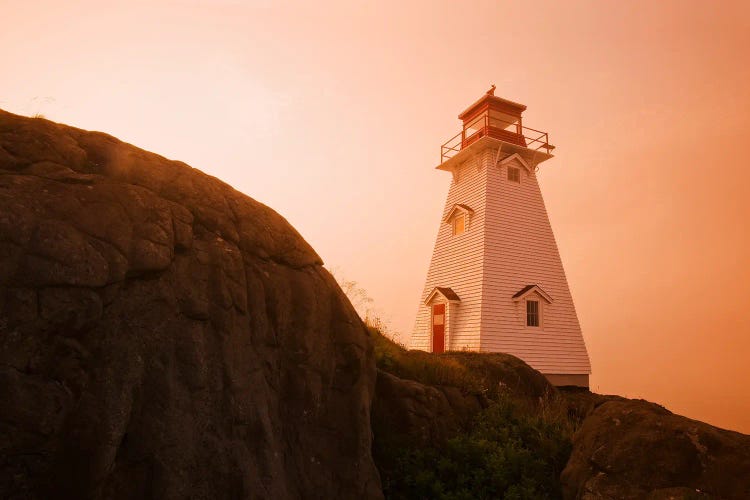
[(532, 313), (514, 174), (459, 224)]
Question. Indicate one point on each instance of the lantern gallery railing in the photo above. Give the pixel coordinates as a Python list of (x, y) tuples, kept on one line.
[(522, 136)]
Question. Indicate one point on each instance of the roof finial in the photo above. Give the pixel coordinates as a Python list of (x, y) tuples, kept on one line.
[(492, 90)]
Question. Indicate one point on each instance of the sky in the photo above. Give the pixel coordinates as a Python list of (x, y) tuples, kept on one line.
[(332, 113)]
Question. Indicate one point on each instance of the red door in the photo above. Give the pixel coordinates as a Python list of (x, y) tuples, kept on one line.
[(438, 328)]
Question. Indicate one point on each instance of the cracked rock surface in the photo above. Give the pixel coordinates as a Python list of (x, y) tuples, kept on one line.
[(163, 335), (633, 449)]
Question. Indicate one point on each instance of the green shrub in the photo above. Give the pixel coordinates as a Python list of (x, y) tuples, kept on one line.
[(508, 453)]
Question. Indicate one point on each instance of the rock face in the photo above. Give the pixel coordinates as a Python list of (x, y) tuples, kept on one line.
[(406, 411), (162, 335), (500, 373), (636, 449)]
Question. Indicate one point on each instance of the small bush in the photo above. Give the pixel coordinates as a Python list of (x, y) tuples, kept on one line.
[(508, 453)]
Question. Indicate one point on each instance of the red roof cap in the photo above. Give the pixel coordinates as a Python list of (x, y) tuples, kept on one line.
[(494, 102)]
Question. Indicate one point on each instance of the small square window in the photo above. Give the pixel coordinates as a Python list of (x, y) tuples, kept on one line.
[(459, 224), (514, 174), (532, 313)]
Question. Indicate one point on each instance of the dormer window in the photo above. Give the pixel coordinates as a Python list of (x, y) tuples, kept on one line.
[(459, 218), (534, 300), (514, 163), (514, 174), (459, 224)]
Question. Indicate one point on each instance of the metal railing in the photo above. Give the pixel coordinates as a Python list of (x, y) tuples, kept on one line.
[(522, 136)]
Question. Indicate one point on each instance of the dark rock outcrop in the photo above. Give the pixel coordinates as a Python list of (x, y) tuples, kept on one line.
[(628, 449), (500, 373), (437, 395), (423, 398), (408, 412), (162, 335)]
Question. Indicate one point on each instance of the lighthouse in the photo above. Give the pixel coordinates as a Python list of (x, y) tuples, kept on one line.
[(496, 282)]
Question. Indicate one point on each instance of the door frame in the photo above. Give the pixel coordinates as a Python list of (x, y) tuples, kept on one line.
[(444, 325)]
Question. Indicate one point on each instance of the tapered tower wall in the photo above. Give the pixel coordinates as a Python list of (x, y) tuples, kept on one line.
[(520, 249), (457, 262)]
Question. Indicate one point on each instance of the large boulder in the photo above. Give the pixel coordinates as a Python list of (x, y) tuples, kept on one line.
[(162, 335), (406, 413), (632, 449)]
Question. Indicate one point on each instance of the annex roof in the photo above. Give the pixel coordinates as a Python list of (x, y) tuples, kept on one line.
[(446, 292)]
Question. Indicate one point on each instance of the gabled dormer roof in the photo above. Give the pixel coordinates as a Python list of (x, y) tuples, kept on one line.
[(515, 156), (460, 208), (446, 292), (528, 290)]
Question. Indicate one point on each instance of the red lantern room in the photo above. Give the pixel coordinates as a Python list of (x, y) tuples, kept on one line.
[(498, 119)]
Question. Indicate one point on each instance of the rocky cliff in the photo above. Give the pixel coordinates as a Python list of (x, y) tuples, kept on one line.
[(164, 336)]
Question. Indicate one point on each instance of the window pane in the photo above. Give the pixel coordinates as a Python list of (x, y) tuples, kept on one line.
[(514, 174), (532, 313), (438, 319), (458, 224)]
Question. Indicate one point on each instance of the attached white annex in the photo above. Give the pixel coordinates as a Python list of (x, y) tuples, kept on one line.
[(496, 282)]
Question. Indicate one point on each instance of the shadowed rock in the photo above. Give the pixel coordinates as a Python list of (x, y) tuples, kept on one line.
[(162, 335), (406, 411), (423, 398), (635, 449), (435, 396)]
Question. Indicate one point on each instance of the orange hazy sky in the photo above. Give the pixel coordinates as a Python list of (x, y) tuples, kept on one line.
[(333, 113)]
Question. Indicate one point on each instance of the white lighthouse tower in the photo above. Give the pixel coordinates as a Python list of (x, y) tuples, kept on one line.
[(496, 282)]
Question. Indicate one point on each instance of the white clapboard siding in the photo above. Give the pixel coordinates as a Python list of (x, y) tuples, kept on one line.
[(508, 245), (464, 322), (520, 250)]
